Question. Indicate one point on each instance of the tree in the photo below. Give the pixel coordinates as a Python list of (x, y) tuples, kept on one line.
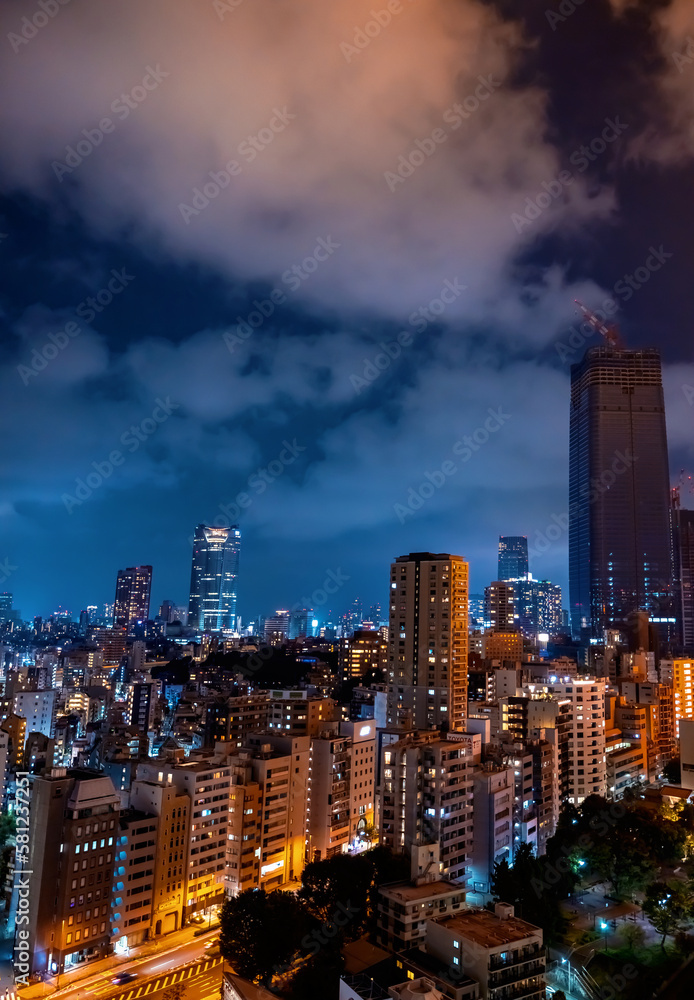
[(341, 880), (261, 932), (633, 936), (668, 906)]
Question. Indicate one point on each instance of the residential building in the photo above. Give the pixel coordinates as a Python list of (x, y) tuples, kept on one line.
[(501, 606), (503, 953), (73, 827), (298, 713), (133, 589), (363, 651), (39, 710), (428, 641), (134, 882), (426, 797)]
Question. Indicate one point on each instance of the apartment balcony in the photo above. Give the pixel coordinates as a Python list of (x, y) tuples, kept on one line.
[(535, 989), (515, 974), (517, 958)]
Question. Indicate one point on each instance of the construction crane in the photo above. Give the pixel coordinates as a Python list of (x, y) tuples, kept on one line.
[(609, 332), (684, 485)]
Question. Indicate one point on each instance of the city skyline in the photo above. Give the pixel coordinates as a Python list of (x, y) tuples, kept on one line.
[(260, 356)]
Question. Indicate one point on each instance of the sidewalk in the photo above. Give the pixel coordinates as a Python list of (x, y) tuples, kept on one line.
[(70, 980)]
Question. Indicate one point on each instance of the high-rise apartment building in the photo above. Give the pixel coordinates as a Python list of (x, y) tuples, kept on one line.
[(133, 589), (426, 798), (72, 852), (360, 652), (39, 710), (619, 492), (583, 765), (513, 557), (213, 578), (428, 640), (501, 606)]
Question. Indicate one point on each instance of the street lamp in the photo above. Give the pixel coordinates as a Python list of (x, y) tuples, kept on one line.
[(604, 926)]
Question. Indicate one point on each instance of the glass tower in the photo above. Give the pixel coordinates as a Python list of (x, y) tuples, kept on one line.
[(213, 578), (619, 529), (513, 557)]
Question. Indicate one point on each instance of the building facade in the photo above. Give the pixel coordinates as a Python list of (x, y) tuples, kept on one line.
[(213, 578)]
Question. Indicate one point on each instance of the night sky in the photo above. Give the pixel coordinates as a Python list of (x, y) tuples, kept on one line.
[(272, 190)]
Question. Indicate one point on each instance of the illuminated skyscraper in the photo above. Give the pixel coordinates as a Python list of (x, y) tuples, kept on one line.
[(619, 492), (213, 578), (133, 588), (428, 640), (683, 551), (513, 557)]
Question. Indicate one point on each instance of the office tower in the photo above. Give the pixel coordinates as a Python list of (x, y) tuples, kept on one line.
[(500, 606), (276, 626), (6, 607), (477, 615), (213, 578), (426, 798), (428, 641), (513, 557), (301, 623), (683, 553), (133, 587), (73, 828), (166, 612), (538, 606), (619, 493)]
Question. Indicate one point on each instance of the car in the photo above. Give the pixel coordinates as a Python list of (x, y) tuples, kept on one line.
[(124, 977), (197, 919)]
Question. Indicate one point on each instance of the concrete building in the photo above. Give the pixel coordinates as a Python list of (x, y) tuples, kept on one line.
[(39, 710), (73, 828), (342, 773), (172, 808), (298, 713), (583, 770), (493, 794), (687, 752), (365, 650), (426, 797), (428, 641), (232, 720), (207, 785), (133, 886), (268, 812), (503, 953)]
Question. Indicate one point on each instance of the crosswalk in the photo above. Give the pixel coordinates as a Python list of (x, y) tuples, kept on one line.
[(188, 972)]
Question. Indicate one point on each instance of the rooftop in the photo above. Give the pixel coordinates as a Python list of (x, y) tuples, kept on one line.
[(406, 892), (486, 929)]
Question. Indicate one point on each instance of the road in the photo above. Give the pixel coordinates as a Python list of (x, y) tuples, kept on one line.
[(156, 963), (202, 981)]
